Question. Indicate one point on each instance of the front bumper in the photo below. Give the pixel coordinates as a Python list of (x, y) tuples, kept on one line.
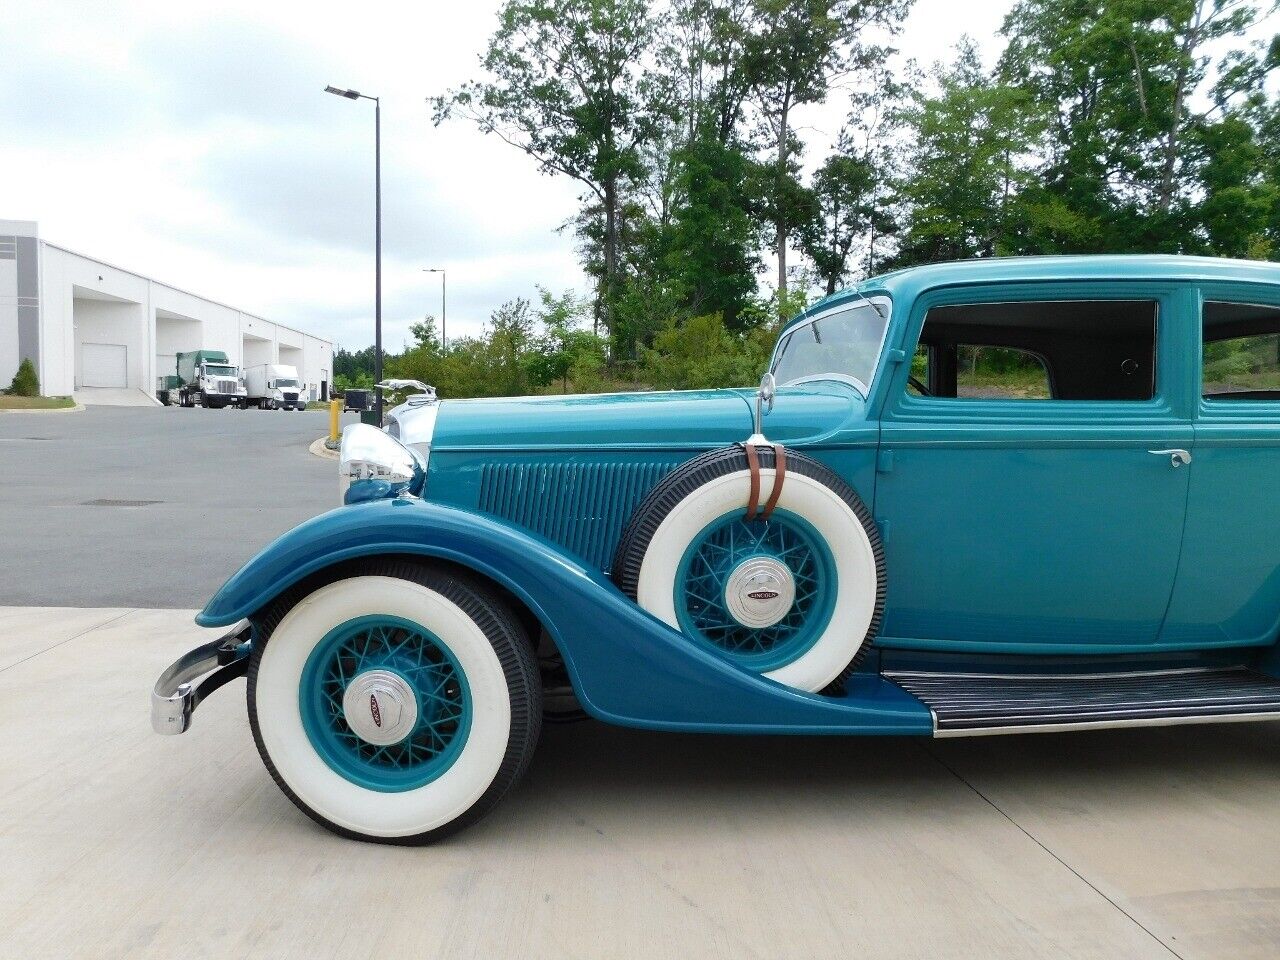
[(176, 694)]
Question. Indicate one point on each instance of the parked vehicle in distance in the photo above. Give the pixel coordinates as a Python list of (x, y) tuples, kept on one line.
[(273, 386), (204, 378), (358, 400), (873, 542)]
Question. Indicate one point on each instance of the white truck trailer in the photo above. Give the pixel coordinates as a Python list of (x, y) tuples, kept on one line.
[(274, 386)]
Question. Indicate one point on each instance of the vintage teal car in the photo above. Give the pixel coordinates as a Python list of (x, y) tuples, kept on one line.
[(877, 541)]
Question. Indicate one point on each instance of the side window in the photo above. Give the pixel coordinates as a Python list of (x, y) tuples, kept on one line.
[(1038, 350), (1000, 373), (918, 382), (1241, 352)]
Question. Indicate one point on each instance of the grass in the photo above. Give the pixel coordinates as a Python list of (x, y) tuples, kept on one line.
[(8, 402), (1022, 384)]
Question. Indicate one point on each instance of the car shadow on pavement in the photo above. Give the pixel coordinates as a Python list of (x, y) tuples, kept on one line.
[(626, 773)]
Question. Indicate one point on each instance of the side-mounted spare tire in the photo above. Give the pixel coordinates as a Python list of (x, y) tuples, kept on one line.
[(796, 595)]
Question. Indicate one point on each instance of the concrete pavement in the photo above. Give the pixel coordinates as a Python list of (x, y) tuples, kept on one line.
[(118, 843), (150, 507), (113, 397)]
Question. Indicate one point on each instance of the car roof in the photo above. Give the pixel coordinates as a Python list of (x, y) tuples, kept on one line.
[(913, 280)]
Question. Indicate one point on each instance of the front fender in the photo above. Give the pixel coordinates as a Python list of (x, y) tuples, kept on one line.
[(626, 666)]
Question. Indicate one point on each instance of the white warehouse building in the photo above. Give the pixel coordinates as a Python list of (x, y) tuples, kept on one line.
[(106, 334)]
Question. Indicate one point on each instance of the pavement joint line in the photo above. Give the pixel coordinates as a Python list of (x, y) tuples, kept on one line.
[(96, 626), (1036, 840)]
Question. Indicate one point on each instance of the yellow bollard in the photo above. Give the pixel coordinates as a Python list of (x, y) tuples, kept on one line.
[(335, 411)]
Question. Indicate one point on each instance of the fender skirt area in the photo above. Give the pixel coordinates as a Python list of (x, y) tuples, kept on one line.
[(626, 666)]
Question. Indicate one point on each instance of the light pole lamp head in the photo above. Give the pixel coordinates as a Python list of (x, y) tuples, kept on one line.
[(349, 94)]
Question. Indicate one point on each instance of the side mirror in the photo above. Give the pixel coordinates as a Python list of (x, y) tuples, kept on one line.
[(764, 401)]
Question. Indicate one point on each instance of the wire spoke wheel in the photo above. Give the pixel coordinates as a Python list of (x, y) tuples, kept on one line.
[(385, 703), (792, 587), (797, 598)]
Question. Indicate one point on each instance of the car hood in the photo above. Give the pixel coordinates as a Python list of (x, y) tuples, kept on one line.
[(658, 419)]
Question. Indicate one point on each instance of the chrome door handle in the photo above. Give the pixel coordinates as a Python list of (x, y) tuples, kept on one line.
[(1176, 457)]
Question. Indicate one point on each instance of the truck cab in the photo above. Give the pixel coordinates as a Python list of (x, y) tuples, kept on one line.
[(274, 386), (204, 378)]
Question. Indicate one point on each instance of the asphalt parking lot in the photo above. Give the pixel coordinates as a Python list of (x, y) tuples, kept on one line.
[(150, 507), (115, 842)]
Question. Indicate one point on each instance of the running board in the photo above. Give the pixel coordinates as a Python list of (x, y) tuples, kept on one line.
[(971, 704)]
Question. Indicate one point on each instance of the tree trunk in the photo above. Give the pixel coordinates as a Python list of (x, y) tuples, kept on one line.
[(1164, 198), (610, 250), (780, 218)]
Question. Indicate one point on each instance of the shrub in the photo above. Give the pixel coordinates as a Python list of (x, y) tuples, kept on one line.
[(701, 353), (25, 382)]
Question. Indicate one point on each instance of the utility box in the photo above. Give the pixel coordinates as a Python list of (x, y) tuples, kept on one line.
[(357, 400)]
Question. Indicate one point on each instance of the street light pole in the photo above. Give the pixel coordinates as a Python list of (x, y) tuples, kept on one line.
[(444, 330), (377, 236)]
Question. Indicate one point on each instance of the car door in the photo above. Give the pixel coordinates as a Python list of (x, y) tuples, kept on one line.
[(1228, 587), (1049, 524)]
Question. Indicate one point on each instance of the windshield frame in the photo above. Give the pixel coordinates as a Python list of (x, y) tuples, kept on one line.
[(880, 303), (220, 370)]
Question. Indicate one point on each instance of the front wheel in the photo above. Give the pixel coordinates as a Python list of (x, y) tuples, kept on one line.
[(398, 704)]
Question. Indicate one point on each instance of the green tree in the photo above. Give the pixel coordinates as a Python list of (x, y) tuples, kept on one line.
[(1126, 82), (792, 53), (972, 146), (353, 364), (846, 209), (25, 382), (567, 86), (702, 353), (709, 251), (564, 351)]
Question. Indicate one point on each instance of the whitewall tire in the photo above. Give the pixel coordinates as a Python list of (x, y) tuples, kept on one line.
[(691, 558), (397, 703)]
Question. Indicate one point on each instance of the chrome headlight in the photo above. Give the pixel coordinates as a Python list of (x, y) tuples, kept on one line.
[(374, 466)]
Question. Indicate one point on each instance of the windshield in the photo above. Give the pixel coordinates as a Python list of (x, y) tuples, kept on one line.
[(219, 371), (843, 345), (286, 383)]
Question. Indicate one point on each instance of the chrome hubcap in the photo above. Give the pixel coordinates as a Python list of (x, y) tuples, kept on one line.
[(380, 707), (759, 592)]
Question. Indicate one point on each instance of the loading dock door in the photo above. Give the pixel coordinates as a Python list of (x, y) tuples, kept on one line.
[(104, 365)]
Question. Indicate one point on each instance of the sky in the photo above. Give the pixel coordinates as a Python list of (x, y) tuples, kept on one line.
[(192, 143)]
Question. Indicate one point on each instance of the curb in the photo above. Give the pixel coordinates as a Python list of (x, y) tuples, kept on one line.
[(78, 408), (319, 449)]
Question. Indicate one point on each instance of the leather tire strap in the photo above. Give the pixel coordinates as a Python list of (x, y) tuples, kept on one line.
[(753, 462), (779, 475)]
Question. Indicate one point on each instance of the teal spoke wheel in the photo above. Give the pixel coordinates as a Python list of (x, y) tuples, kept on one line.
[(796, 598), (394, 700), (385, 703), (759, 591)]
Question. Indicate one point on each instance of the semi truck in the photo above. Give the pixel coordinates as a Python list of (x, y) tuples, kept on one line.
[(204, 378), (274, 386)]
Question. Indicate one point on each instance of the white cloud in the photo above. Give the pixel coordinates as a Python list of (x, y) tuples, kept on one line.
[(192, 142)]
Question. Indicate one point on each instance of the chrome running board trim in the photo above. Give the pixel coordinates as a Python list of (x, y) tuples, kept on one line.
[(987, 704)]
